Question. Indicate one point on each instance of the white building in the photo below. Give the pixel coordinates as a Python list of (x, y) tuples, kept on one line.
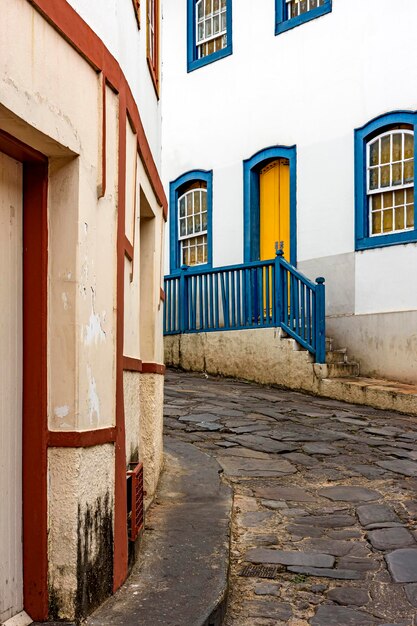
[(302, 112)]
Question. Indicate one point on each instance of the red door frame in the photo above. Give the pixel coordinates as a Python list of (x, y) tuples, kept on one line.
[(35, 428)]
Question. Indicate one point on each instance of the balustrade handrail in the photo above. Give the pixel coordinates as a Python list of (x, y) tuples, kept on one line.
[(247, 295)]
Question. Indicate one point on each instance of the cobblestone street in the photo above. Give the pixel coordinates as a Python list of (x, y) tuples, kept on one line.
[(325, 513)]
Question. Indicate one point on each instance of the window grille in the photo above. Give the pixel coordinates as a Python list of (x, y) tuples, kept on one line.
[(390, 182), (299, 7), (192, 226), (211, 26), (135, 498)]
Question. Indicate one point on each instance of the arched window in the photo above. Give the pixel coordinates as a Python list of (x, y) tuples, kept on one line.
[(190, 219), (192, 224), (384, 180), (390, 182), (209, 31), (291, 13)]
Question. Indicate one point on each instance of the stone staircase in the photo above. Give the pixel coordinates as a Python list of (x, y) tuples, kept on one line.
[(337, 363)]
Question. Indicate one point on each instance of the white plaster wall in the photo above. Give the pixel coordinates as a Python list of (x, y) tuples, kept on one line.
[(311, 86), (386, 279), (115, 23)]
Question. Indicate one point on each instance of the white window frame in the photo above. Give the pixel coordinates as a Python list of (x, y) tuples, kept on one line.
[(291, 4), (391, 188), (194, 235), (222, 11)]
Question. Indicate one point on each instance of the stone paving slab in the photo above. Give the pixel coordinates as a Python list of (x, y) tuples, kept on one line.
[(333, 518)]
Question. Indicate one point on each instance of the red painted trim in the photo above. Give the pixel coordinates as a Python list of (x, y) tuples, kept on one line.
[(81, 439), (132, 365), (162, 294), (35, 271), (153, 368), (79, 35), (128, 249), (102, 191), (120, 495), (18, 150)]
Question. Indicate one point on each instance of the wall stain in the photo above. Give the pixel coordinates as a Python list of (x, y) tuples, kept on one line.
[(94, 556)]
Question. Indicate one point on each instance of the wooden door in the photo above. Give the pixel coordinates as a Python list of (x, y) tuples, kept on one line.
[(274, 207), (11, 558)]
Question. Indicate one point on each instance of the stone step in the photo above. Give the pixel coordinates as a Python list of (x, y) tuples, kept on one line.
[(336, 356), (381, 394), (342, 370)]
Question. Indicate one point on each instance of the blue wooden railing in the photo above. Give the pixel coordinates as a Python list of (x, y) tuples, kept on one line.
[(252, 295)]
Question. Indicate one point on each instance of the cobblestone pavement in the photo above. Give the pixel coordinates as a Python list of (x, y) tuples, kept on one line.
[(325, 508)]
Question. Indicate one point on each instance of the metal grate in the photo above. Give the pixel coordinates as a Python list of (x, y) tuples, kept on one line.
[(136, 513), (260, 571)]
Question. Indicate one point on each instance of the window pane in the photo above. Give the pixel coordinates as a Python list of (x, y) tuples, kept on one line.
[(409, 146), (387, 197), (376, 202), (204, 218), (208, 6), (197, 224), (399, 197), (182, 207), (374, 153), (399, 218), (387, 221), (197, 202), (189, 225), (373, 178), (376, 223), (216, 24), (200, 11), (385, 176), (189, 204), (410, 195), (216, 6), (182, 228), (192, 256), (409, 171), (397, 147), (410, 215), (397, 177), (386, 149)]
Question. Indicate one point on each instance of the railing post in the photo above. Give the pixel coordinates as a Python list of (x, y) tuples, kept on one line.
[(277, 288), (183, 300), (320, 325)]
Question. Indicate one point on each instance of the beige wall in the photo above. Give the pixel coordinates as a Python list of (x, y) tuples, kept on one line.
[(80, 530), (42, 105)]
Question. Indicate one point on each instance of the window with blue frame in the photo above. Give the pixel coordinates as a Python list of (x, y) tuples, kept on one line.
[(384, 181), (291, 13), (190, 219), (209, 31)]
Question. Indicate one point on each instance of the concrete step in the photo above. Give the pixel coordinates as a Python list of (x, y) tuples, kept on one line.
[(342, 370), (329, 344), (336, 356), (381, 394)]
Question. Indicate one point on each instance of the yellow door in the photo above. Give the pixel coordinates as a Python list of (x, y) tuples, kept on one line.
[(274, 207)]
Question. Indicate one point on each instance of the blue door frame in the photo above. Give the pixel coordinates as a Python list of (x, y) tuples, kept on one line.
[(251, 169)]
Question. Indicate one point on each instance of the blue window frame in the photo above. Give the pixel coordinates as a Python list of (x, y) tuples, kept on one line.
[(384, 181), (251, 199), (209, 31), (190, 226), (291, 13)]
